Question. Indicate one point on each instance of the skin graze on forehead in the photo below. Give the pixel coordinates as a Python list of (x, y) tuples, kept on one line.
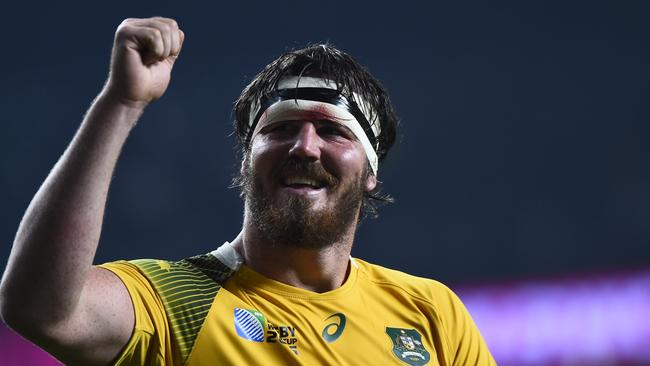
[(319, 112)]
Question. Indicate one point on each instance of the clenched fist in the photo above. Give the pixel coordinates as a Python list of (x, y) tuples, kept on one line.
[(143, 55)]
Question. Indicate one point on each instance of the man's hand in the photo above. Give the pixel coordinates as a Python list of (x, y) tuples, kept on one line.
[(143, 55)]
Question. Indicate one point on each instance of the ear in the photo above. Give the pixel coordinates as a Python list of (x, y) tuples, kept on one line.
[(371, 182)]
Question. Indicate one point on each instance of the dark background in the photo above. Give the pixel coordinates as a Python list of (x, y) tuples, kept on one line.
[(523, 145)]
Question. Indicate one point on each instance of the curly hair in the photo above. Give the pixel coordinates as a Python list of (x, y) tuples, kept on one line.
[(352, 81)]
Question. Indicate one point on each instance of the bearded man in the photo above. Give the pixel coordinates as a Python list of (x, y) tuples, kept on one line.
[(314, 126)]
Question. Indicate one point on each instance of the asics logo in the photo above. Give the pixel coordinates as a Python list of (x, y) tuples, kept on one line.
[(333, 330)]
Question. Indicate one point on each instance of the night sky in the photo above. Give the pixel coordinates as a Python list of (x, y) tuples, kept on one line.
[(523, 149)]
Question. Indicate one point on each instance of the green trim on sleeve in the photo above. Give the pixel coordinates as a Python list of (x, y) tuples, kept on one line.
[(187, 289)]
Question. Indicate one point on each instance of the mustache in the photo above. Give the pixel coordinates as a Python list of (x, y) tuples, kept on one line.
[(313, 170)]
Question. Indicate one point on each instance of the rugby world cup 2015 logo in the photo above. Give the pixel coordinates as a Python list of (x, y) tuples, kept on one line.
[(249, 324)]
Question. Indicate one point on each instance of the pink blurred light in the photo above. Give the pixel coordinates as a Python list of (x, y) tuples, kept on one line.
[(604, 320), (16, 351)]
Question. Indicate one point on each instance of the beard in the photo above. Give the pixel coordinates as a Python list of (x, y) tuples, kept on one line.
[(293, 222)]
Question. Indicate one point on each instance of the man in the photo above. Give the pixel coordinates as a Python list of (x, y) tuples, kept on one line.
[(314, 126)]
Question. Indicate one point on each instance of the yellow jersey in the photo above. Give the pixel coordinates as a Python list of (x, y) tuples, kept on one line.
[(213, 310)]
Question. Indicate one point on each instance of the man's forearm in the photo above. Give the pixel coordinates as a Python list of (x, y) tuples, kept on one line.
[(58, 236), (50, 293)]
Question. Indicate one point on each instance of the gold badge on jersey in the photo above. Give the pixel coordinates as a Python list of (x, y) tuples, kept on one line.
[(408, 347)]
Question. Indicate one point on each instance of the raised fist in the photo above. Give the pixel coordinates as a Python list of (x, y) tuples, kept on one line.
[(143, 55)]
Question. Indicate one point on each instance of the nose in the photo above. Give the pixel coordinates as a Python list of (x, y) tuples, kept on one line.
[(306, 143)]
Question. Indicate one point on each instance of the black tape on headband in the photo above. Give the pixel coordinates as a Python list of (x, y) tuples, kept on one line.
[(324, 95)]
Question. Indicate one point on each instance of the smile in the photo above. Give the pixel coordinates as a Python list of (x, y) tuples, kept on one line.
[(302, 185), (301, 181)]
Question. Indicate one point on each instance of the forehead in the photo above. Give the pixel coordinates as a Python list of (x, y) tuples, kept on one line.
[(304, 111)]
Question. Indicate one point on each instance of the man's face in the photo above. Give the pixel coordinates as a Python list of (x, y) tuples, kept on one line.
[(304, 182)]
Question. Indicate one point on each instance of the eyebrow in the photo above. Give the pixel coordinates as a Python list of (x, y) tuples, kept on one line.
[(331, 123)]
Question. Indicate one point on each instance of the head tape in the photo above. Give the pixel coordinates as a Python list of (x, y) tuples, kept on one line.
[(294, 95)]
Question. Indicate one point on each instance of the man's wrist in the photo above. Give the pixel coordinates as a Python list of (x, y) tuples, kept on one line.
[(122, 110), (109, 95)]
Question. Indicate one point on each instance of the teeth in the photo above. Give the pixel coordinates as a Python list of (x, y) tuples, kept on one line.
[(302, 180)]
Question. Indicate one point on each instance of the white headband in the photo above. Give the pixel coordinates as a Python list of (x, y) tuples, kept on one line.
[(291, 110)]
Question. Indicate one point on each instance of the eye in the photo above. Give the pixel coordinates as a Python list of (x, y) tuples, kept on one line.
[(335, 130), (277, 128), (330, 130)]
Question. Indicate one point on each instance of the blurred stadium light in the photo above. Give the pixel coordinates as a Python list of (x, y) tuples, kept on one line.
[(586, 321), (16, 351)]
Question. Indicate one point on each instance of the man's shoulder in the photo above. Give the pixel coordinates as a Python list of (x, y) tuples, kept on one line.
[(181, 292), (199, 267), (420, 287)]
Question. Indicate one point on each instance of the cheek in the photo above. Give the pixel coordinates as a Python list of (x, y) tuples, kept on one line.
[(262, 155), (348, 160)]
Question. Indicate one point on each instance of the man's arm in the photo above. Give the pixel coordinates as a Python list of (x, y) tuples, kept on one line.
[(50, 292)]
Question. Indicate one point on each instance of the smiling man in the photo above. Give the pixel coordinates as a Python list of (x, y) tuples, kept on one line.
[(314, 126)]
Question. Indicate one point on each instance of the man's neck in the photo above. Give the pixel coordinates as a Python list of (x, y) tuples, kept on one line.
[(319, 270)]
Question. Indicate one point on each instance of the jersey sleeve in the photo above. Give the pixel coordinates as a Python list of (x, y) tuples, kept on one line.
[(467, 346), (150, 341)]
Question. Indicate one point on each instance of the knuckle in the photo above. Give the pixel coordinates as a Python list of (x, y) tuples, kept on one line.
[(127, 21), (123, 30), (165, 20), (155, 34), (159, 20), (171, 23), (165, 28)]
